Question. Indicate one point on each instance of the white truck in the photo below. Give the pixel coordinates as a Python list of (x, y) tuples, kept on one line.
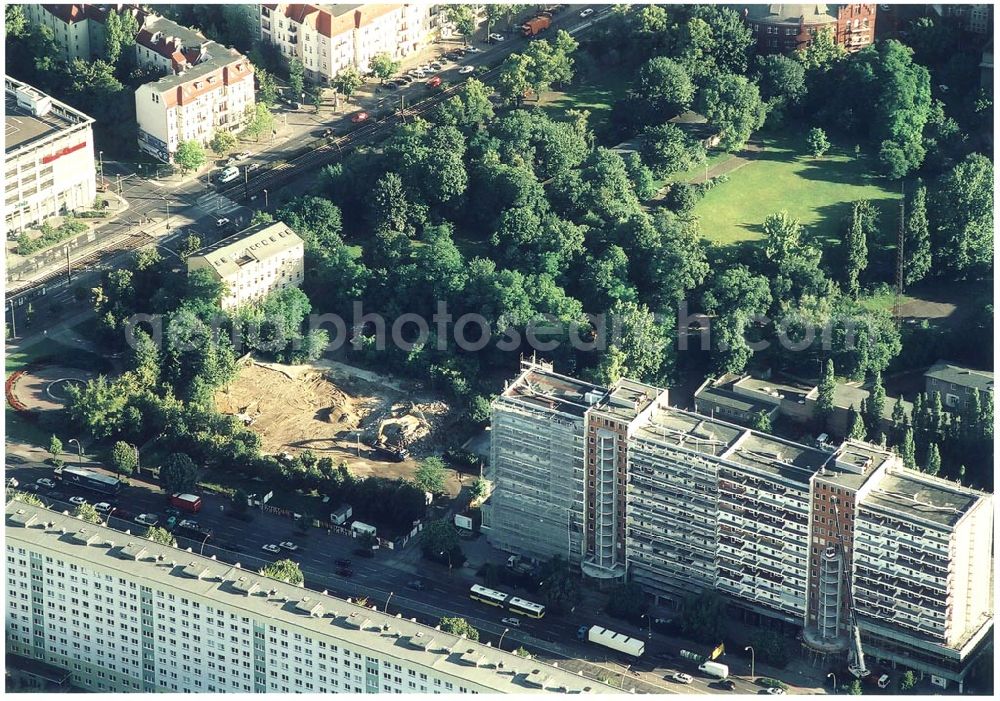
[(363, 528), (612, 640), (714, 669)]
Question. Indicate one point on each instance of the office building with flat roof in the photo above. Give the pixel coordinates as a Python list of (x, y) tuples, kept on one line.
[(121, 613), (48, 157)]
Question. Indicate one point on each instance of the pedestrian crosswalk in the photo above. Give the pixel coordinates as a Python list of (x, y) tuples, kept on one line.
[(216, 204)]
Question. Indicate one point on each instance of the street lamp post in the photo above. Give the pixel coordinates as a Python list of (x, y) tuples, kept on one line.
[(138, 469), (388, 598), (79, 451), (265, 199), (831, 675), (202, 550), (500, 642), (649, 626), (13, 324), (750, 648), (448, 553)]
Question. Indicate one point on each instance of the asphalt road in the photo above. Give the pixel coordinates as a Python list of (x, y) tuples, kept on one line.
[(386, 578)]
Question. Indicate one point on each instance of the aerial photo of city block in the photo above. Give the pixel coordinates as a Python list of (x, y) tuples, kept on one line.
[(499, 349)]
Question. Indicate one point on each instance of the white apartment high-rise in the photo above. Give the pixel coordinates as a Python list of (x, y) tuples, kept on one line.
[(682, 503), (123, 614), (48, 157)]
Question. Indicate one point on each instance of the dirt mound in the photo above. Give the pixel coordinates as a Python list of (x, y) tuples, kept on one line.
[(292, 407), (407, 424)]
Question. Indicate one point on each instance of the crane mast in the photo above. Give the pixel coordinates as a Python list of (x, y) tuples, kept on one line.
[(856, 663)]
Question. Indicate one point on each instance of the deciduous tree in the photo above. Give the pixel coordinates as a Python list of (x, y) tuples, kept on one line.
[(179, 473), (160, 535), (285, 571), (458, 626), (732, 103), (917, 242), (190, 155)]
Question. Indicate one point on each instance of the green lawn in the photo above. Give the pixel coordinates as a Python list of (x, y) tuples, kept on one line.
[(600, 92), (818, 192)]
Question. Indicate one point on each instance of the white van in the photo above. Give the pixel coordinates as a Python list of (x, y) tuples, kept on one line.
[(229, 174)]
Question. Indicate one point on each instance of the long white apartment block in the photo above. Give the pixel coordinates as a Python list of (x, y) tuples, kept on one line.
[(123, 614)]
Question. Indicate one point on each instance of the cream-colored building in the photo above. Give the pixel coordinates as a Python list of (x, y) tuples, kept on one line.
[(329, 38), (48, 157), (253, 262), (115, 612), (208, 88)]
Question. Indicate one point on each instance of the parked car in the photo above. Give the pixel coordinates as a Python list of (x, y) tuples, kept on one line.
[(288, 545), (511, 621), (495, 37), (724, 684), (406, 79), (587, 13), (681, 678), (251, 167), (103, 507), (270, 548), (121, 513), (147, 519), (436, 65), (221, 222), (344, 572), (472, 49), (466, 69), (392, 86), (434, 82), (775, 691), (45, 482), (328, 132), (242, 155), (77, 501), (188, 523), (360, 117), (342, 563)]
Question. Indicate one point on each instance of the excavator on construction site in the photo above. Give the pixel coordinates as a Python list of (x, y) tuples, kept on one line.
[(856, 655)]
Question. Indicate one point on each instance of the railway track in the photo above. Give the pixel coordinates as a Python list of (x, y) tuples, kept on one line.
[(330, 152), (87, 262)]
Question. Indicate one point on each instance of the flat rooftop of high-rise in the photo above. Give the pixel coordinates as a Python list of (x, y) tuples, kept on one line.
[(854, 462), (627, 399), (917, 496), (681, 429), (778, 457), (539, 386)]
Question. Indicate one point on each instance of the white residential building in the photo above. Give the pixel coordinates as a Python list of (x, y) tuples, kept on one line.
[(48, 157), (123, 614), (253, 262), (208, 88), (682, 503), (329, 38)]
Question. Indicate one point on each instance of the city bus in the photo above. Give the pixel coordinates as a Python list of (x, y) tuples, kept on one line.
[(525, 608), (94, 481), (488, 596)]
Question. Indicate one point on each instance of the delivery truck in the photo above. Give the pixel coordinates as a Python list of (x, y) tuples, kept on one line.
[(612, 640), (190, 503), (714, 669), (536, 26)]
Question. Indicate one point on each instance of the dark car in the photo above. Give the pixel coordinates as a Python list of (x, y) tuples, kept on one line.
[(343, 564), (345, 573), (416, 584), (724, 684), (392, 86), (122, 514)]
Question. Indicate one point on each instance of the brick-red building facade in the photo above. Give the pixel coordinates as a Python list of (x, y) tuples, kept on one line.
[(779, 28)]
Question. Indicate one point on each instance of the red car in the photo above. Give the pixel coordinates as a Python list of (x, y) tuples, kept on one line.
[(359, 117), (434, 82)]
